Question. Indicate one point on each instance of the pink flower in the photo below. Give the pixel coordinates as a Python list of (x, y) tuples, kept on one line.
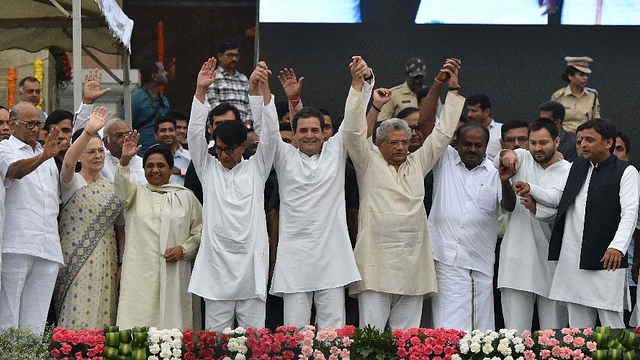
[(578, 342), (592, 345), (545, 353), (529, 355), (528, 342), (588, 332), (568, 339), (65, 348)]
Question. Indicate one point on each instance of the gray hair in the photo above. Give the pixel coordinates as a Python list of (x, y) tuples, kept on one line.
[(105, 131), (393, 124)]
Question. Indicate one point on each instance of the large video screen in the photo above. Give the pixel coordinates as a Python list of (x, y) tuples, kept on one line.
[(494, 12)]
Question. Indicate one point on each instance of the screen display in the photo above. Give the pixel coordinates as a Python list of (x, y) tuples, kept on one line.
[(494, 12)]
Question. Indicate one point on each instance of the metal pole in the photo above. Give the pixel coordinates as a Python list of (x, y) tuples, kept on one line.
[(77, 53)]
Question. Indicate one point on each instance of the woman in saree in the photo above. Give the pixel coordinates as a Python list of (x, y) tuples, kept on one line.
[(86, 296), (163, 223)]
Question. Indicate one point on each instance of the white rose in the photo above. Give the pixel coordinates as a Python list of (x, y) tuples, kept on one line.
[(240, 330), (154, 348), (487, 349), (475, 347), (240, 357), (520, 348), (464, 348)]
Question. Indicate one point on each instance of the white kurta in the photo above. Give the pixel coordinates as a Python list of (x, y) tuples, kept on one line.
[(313, 231), (464, 218), (599, 289), (153, 291), (524, 252), (233, 260), (393, 250)]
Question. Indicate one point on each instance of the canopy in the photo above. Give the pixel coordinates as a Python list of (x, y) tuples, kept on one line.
[(33, 25)]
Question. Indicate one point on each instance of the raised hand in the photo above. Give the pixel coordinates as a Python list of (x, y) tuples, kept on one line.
[(207, 73), (92, 84), (130, 147), (381, 96), (449, 72), (53, 145), (359, 70), (98, 120), (291, 85)]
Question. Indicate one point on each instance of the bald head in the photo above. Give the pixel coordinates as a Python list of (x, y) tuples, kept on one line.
[(26, 115), (115, 131)]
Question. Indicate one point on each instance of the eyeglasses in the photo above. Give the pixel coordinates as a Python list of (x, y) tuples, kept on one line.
[(120, 136), (232, 55), (416, 127), (30, 124), (94, 152), (227, 150), (394, 143)]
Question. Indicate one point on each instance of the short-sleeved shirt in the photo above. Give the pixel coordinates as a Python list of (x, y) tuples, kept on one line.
[(31, 204), (232, 88)]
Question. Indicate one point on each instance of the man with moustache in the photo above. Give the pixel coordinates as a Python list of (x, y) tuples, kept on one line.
[(597, 208), (6, 124), (464, 229), (31, 253), (29, 91), (231, 85), (524, 273)]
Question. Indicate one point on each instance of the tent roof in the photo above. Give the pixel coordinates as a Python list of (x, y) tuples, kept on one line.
[(33, 25)]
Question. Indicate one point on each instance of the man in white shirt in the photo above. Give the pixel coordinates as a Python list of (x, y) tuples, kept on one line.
[(464, 229), (393, 250), (524, 273), (597, 210), (31, 253), (312, 221), (165, 133), (479, 110), (232, 265)]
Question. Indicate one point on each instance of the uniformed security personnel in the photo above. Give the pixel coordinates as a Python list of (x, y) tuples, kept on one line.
[(404, 95), (581, 103)]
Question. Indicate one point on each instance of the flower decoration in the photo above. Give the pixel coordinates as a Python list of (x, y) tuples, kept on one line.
[(39, 75), (63, 66), (11, 86), (81, 344), (477, 345), (165, 344), (438, 344)]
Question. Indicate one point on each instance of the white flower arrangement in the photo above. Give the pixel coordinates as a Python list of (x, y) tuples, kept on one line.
[(491, 345), (237, 342), (165, 344)]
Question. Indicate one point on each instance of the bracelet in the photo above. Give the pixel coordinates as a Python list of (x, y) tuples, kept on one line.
[(90, 134), (438, 80), (369, 77), (297, 98), (184, 251), (454, 88), (375, 107)]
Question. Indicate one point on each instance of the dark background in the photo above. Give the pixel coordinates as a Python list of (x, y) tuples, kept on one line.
[(518, 67)]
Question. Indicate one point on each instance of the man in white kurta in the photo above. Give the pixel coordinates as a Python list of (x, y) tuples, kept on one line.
[(314, 260), (590, 292), (31, 253), (525, 273), (232, 266), (464, 229), (393, 250)]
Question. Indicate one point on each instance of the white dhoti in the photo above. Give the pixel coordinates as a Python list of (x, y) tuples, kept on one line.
[(464, 300)]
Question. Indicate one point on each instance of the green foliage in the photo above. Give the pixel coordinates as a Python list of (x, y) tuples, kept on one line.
[(369, 343), (24, 345)]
